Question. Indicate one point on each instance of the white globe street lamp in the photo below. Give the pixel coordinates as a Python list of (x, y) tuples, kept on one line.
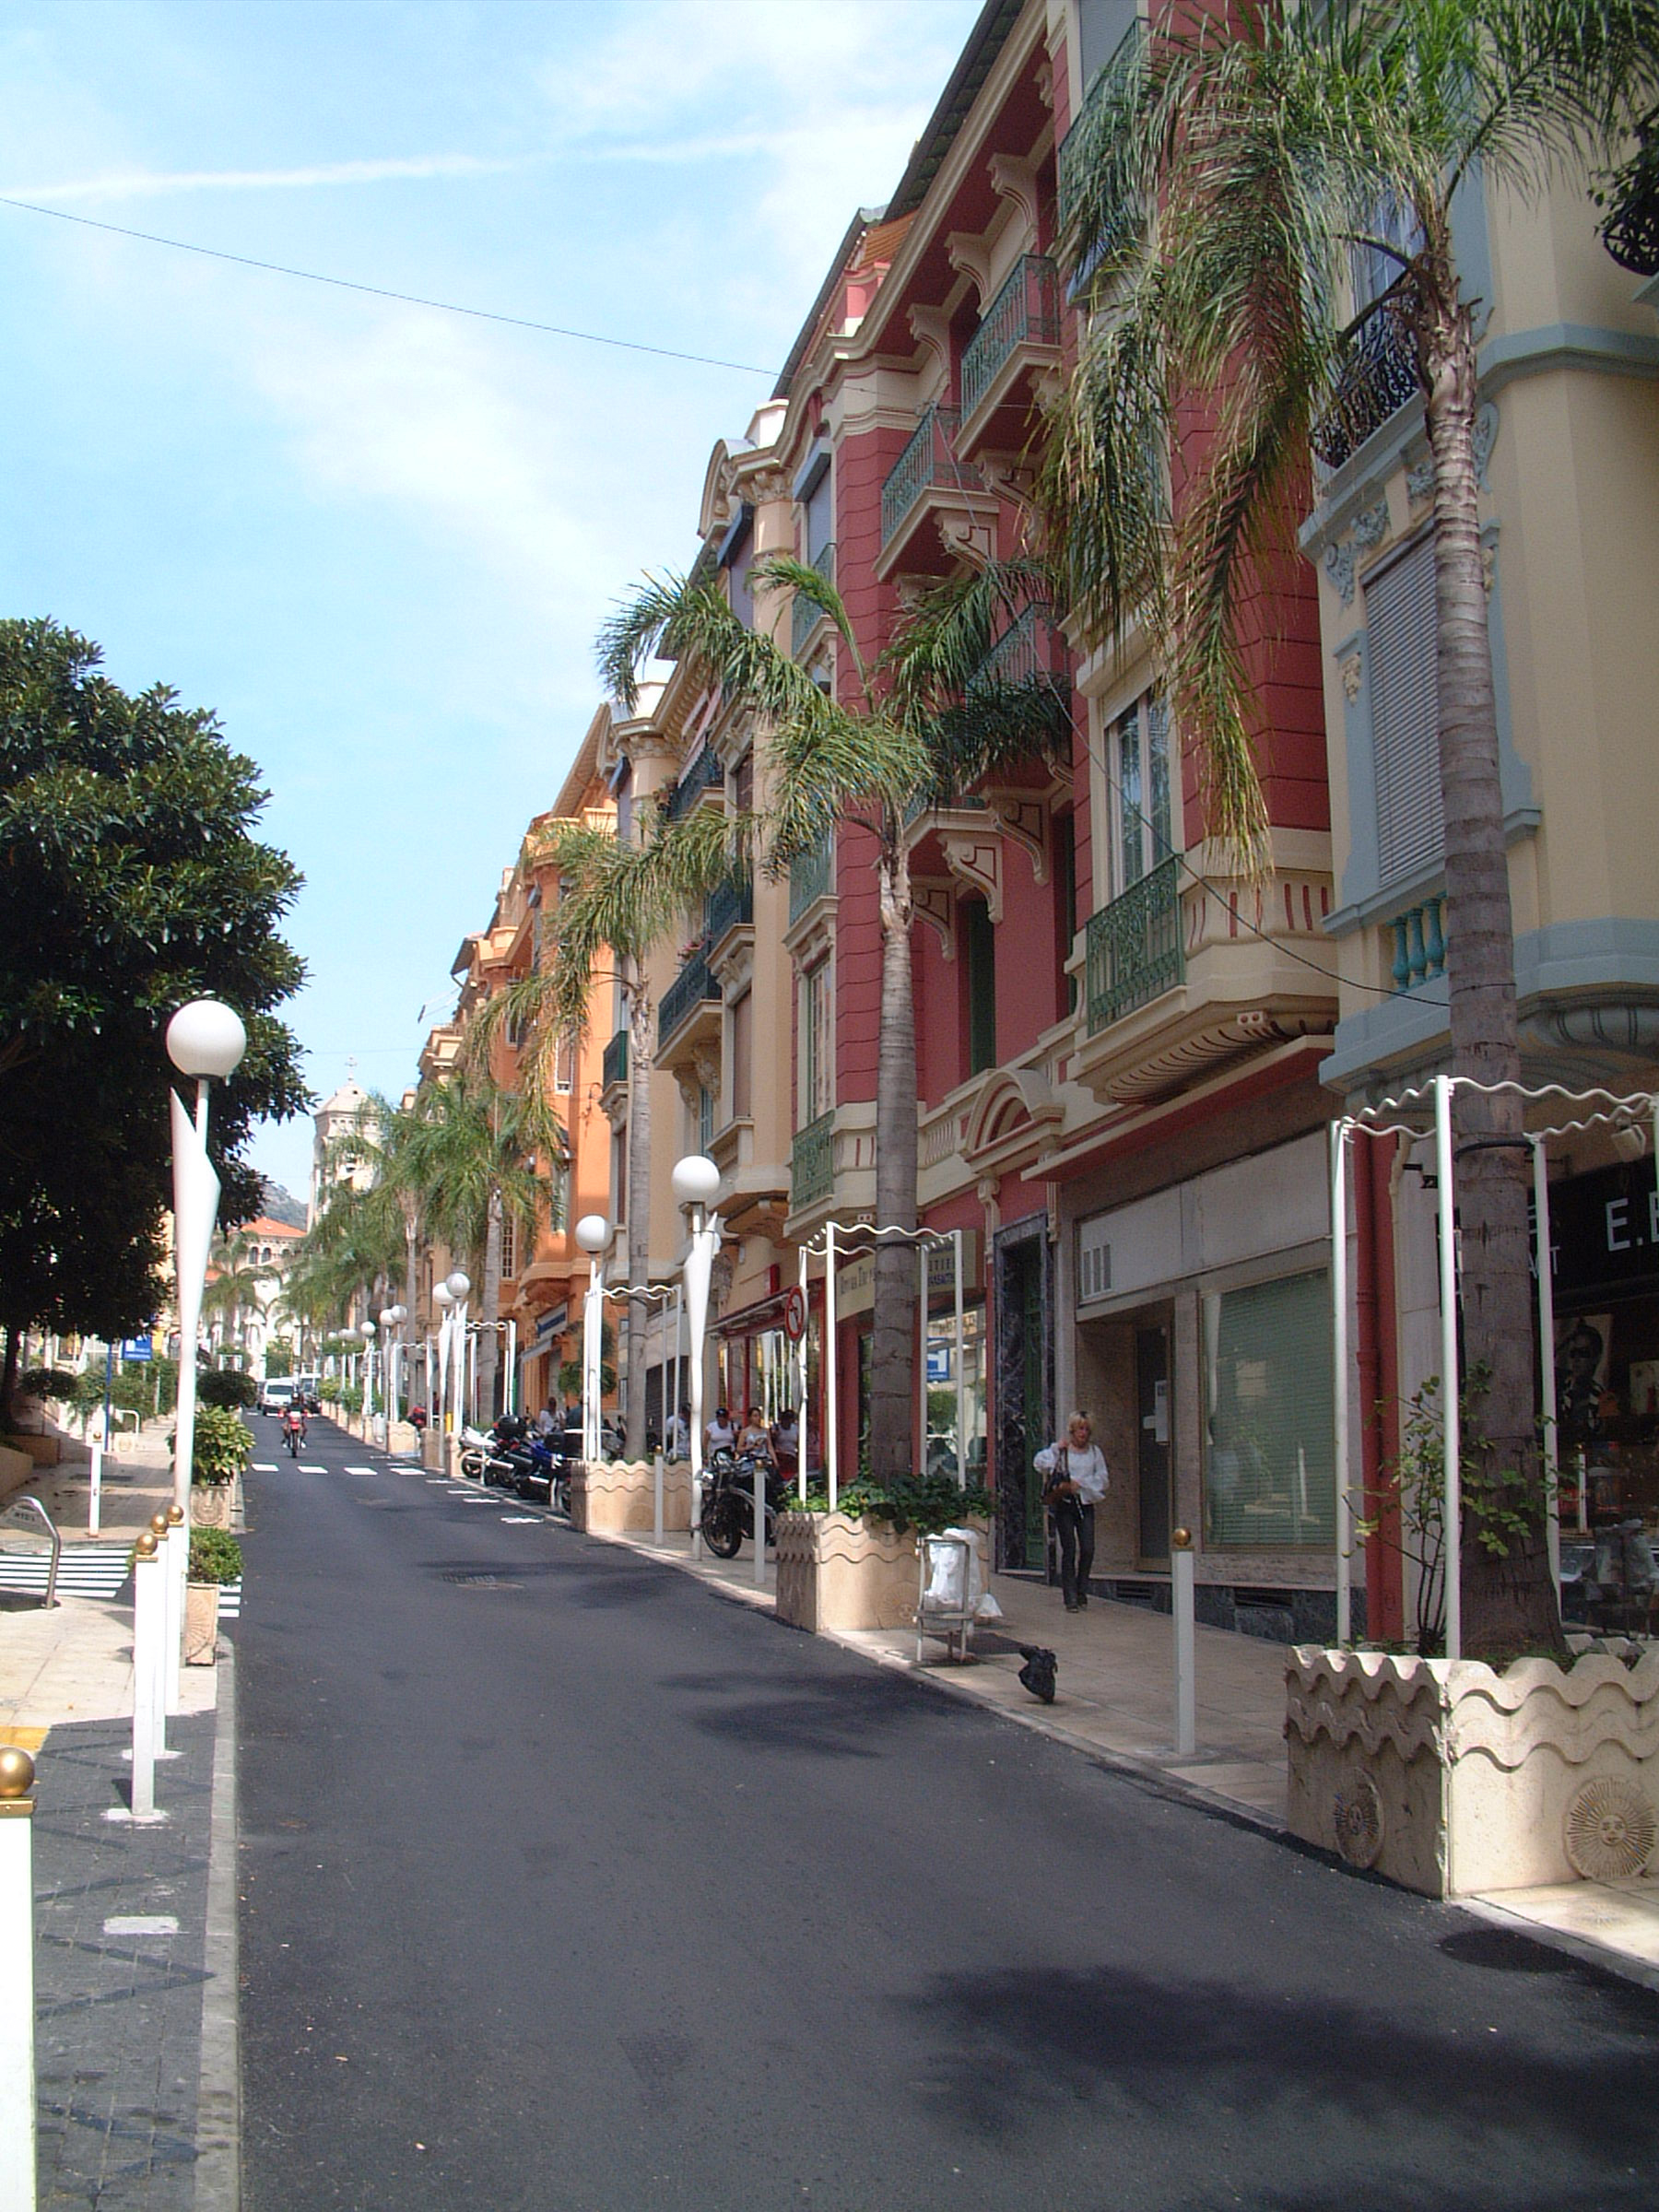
[(204, 1039), (592, 1234), (366, 1331), (457, 1283), (696, 1186)]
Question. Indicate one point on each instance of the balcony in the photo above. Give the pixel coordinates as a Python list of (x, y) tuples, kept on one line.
[(1378, 379), (812, 1163), (730, 906), (614, 1067), (811, 877), (704, 775), (1134, 948), (684, 1010), (932, 503), (803, 617), (1414, 942), (1018, 342), (1029, 651), (1111, 84)]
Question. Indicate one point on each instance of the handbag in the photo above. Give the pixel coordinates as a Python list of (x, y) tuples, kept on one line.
[(1054, 1494)]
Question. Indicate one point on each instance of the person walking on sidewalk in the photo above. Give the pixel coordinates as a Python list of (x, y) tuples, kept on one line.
[(1075, 1483)]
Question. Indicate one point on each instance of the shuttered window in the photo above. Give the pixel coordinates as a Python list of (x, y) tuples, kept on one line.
[(1269, 1464), (1402, 629)]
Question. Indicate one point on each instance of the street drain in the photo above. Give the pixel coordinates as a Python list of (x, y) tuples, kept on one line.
[(469, 1580)]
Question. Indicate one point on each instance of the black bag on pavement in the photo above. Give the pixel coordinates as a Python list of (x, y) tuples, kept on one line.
[(1040, 1671)]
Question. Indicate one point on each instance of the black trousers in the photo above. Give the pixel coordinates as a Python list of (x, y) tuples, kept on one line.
[(1073, 1524)]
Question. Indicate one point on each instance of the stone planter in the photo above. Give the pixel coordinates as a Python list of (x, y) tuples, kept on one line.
[(201, 1624), (616, 1498), (212, 1504), (1452, 1779), (403, 1440), (839, 1571)]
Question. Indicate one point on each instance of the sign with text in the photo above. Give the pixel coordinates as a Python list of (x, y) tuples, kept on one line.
[(1604, 1231)]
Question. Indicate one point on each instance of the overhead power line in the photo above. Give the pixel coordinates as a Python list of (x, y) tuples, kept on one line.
[(381, 291)]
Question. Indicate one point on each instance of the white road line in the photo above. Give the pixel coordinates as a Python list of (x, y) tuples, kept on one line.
[(516, 1520), (436, 1482), (141, 1923), (265, 1466), (311, 1467), (363, 1470)]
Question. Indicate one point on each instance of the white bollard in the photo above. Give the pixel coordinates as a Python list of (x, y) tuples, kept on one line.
[(760, 1526), (149, 1625), (1187, 1686), (656, 1514), (176, 1556), (16, 1980), (95, 1493)]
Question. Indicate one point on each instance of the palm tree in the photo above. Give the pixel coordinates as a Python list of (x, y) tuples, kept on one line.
[(235, 1286), (1275, 148), (920, 724)]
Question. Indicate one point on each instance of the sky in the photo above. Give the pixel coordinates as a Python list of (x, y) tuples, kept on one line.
[(377, 539)]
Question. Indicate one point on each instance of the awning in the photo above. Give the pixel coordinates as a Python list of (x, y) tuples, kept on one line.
[(750, 1321)]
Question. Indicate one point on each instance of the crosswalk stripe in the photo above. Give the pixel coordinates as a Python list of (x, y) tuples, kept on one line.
[(311, 1467), (265, 1466), (363, 1470)]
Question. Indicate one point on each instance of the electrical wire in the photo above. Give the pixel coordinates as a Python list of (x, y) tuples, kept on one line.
[(381, 291)]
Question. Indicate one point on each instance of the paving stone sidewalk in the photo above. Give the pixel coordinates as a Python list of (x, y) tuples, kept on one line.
[(119, 2014)]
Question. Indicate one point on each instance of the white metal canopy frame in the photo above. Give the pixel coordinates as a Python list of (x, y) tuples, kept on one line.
[(857, 1236), (1574, 1113)]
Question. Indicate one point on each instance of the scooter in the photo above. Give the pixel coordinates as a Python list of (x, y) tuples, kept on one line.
[(729, 1510)]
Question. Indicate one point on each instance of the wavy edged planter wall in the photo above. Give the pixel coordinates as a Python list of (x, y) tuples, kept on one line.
[(617, 1497), (1451, 1779), (839, 1571)]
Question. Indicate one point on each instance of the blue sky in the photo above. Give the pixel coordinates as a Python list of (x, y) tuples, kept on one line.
[(376, 539)]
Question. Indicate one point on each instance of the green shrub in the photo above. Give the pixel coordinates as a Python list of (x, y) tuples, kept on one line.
[(924, 1502), (223, 1445), (47, 1382), (279, 1361), (351, 1396), (215, 1555), (328, 1391), (226, 1386)]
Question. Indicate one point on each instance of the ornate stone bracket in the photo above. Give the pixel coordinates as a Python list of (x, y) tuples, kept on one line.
[(934, 902), (930, 326), (1025, 818), (1015, 178), (975, 858), (971, 258)]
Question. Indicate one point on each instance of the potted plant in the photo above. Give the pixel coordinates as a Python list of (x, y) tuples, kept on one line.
[(215, 1559), (223, 1448), (855, 1567)]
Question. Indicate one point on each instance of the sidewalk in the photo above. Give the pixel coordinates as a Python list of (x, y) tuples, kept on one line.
[(1115, 1702), (134, 1928)]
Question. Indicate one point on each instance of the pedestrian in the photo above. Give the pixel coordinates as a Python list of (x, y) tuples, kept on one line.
[(1076, 1482), (721, 1435), (678, 1444), (786, 1442), (755, 1437), (548, 1419)]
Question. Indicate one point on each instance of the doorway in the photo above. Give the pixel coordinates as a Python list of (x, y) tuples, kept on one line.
[(1154, 1455)]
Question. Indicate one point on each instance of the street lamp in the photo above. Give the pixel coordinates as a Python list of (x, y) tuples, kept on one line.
[(592, 1234), (204, 1039), (457, 1283), (366, 1331), (696, 1186), (388, 1318)]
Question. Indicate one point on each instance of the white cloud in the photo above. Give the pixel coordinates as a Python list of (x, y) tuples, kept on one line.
[(143, 185)]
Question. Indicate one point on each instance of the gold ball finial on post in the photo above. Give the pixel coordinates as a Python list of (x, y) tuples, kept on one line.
[(16, 1772), (1181, 1538), (175, 1516), (146, 1547), (159, 1523)]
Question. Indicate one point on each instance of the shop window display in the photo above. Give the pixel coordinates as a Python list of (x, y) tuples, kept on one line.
[(1269, 1476)]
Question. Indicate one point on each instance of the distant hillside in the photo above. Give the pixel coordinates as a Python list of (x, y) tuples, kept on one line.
[(281, 1207)]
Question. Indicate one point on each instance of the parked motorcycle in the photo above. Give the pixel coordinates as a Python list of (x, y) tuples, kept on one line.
[(728, 1507)]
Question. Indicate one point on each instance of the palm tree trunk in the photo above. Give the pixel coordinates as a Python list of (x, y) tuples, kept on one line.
[(489, 1342), (893, 1322), (1508, 1603), (639, 1210)]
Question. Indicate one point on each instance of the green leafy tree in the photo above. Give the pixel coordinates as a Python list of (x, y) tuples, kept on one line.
[(237, 1280), (130, 881), (1276, 147), (918, 725)]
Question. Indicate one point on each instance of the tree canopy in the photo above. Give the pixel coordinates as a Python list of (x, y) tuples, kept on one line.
[(130, 881)]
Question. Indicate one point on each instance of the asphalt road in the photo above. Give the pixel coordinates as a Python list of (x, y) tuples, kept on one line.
[(568, 1885)]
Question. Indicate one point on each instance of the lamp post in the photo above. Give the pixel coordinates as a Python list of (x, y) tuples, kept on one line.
[(696, 1183), (437, 1405), (392, 1359), (366, 1331), (457, 1283), (592, 1234), (204, 1039)]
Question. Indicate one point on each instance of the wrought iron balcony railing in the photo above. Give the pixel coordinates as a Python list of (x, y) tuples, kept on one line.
[(1134, 949), (811, 875), (928, 460), (806, 615), (1029, 651), (685, 994), (702, 775), (729, 906), (812, 1162), (1025, 312), (1112, 83), (1379, 378), (615, 1065), (1418, 940)]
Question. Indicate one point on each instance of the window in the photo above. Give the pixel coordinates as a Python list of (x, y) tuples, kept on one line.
[(743, 783), (742, 1012), (816, 1084), (1103, 26), (819, 516), (979, 942), (509, 1242), (1065, 910), (1402, 632), (705, 1117), (736, 554), (564, 1065), (1138, 765), (1269, 1475)]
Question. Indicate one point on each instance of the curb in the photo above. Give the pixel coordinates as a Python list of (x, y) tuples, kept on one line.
[(218, 2095)]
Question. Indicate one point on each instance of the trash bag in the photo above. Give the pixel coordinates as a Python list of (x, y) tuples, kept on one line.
[(1038, 1672)]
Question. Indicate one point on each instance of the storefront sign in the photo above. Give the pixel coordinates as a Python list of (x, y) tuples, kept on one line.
[(1603, 1232), (855, 1288), (938, 1360), (138, 1349), (551, 1324)]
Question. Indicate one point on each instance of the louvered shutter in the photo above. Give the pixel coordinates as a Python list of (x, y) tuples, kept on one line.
[(1401, 623)]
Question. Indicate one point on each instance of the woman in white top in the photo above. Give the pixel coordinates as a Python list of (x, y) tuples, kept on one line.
[(1076, 1481)]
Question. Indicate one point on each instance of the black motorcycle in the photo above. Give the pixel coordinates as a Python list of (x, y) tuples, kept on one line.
[(728, 1509)]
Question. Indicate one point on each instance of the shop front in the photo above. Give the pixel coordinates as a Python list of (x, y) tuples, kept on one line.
[(1200, 1347)]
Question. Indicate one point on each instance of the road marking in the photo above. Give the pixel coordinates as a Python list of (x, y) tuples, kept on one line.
[(516, 1520), (437, 1482), (363, 1470), (265, 1466), (141, 1923), (311, 1467)]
